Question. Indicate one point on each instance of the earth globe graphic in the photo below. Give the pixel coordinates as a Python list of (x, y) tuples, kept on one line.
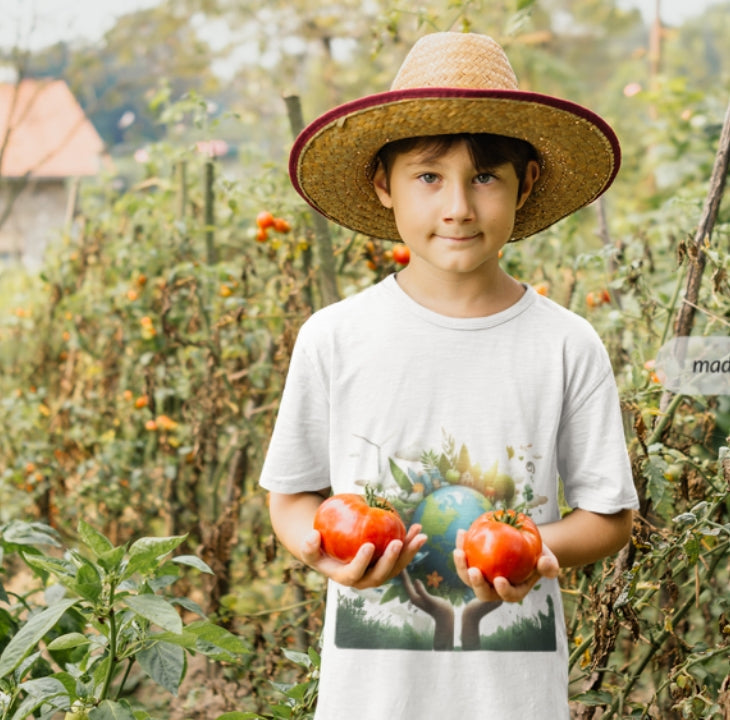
[(442, 514)]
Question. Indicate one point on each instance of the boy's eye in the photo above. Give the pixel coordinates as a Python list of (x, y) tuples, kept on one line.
[(483, 178), (428, 178)]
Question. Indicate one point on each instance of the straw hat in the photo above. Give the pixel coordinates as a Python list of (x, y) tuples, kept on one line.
[(453, 83)]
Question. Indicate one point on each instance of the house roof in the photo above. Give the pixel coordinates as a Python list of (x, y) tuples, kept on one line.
[(45, 133)]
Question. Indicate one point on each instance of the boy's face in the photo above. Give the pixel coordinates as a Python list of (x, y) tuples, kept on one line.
[(454, 217)]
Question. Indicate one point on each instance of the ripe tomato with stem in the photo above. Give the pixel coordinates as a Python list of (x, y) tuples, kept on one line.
[(503, 543), (347, 521)]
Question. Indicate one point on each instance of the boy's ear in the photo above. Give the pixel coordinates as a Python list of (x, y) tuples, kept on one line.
[(532, 173), (381, 186)]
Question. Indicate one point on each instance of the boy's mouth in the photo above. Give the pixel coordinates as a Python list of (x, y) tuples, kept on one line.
[(459, 238)]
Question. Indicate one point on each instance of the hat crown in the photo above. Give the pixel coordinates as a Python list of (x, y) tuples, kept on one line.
[(456, 60)]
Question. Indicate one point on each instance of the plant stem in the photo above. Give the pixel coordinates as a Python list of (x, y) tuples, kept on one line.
[(112, 654), (664, 420), (673, 305), (126, 675)]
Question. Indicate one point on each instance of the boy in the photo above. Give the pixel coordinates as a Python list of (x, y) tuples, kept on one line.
[(450, 387)]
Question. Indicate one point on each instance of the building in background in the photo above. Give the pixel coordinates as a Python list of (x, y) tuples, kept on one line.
[(47, 146)]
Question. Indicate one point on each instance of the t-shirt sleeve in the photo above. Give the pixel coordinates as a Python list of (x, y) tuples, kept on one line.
[(297, 459), (593, 462)]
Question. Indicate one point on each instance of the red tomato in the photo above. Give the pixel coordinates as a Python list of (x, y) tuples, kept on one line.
[(348, 520), (401, 254), (600, 297), (281, 225), (503, 543), (265, 219)]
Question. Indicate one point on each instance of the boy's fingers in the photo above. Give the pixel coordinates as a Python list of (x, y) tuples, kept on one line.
[(471, 576), (460, 534), (383, 568), (509, 592), (481, 587), (547, 564), (310, 550), (460, 560), (358, 572)]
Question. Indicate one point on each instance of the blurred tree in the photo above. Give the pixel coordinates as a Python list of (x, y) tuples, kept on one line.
[(113, 79)]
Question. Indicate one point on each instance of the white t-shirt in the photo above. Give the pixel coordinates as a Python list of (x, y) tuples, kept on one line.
[(445, 416)]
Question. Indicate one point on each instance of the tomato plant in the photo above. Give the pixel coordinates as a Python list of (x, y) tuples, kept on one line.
[(347, 520), (503, 543)]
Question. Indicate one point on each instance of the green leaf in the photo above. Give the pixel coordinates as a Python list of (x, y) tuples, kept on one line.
[(189, 605), (298, 657), (193, 561), (93, 539), (44, 686), (157, 610), (88, 583), (164, 663), (110, 710), (656, 483), (111, 561), (595, 697), (68, 681), (145, 553), (8, 624), (314, 657), (19, 532), (692, 548), (185, 640), (45, 566), (45, 691), (400, 477), (238, 715), (30, 634), (68, 641), (3, 595), (218, 636)]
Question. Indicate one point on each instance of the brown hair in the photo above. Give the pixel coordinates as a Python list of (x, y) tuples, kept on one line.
[(487, 151)]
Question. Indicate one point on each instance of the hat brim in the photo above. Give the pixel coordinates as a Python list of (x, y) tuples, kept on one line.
[(331, 162)]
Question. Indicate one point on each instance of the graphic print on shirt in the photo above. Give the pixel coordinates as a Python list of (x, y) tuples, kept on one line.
[(427, 607)]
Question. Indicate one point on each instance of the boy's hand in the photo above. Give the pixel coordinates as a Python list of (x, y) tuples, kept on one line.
[(547, 566), (358, 573)]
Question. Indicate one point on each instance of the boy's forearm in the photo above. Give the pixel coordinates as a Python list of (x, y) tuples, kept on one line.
[(292, 517), (584, 537)]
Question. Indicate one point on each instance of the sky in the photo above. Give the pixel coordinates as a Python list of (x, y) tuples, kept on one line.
[(89, 19)]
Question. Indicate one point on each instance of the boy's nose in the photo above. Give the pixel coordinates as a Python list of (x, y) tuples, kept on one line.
[(457, 205)]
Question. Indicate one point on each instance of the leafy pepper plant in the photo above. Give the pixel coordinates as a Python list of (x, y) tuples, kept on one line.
[(105, 609)]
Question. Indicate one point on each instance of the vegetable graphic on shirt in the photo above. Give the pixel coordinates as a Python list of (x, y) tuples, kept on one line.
[(456, 491), (444, 490)]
